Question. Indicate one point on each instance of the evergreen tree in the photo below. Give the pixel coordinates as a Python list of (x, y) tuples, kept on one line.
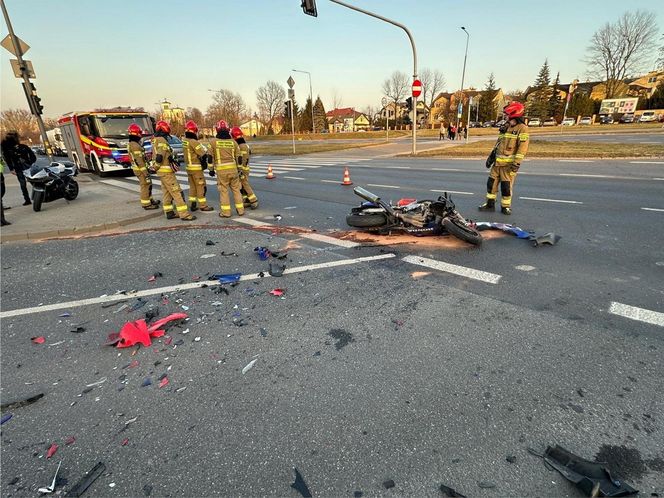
[(556, 105), (657, 99), (538, 105), (580, 105), (305, 118), (287, 121), (487, 105), (319, 116)]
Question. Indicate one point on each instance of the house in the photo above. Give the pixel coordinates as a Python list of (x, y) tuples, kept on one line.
[(346, 119), (252, 127), (171, 114), (645, 85), (445, 105), (399, 111)]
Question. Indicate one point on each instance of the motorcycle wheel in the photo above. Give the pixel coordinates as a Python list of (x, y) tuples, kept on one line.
[(462, 231), (71, 190), (369, 220), (37, 200)]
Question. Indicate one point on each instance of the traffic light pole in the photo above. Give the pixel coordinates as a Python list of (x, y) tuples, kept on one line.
[(26, 80), (292, 121), (412, 43)]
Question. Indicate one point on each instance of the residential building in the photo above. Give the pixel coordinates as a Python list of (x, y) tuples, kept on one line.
[(445, 105), (346, 119)]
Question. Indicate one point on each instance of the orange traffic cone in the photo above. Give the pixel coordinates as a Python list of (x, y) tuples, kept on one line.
[(270, 175), (347, 180)]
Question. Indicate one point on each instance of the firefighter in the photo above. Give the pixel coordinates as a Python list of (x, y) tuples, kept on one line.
[(510, 150), (224, 163), (195, 158), (166, 167), (248, 195), (139, 165)]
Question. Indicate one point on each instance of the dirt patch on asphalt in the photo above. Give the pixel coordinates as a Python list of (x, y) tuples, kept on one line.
[(434, 241)]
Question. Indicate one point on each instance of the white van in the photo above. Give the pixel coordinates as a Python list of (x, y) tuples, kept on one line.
[(648, 117)]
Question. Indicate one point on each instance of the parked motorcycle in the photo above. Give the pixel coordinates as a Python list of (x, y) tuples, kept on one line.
[(55, 181), (415, 217)]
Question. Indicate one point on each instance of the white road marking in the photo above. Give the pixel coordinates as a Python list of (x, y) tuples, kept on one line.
[(294, 178), (383, 186), (660, 179), (174, 288), (453, 192), (525, 267), (490, 278), (639, 314), (397, 167), (653, 209), (574, 161), (446, 169), (582, 175), (330, 181), (646, 162), (550, 200)]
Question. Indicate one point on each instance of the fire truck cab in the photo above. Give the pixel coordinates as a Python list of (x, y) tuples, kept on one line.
[(97, 140)]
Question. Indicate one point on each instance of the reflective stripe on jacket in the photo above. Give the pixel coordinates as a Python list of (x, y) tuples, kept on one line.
[(137, 156), (225, 153), (193, 151), (512, 145)]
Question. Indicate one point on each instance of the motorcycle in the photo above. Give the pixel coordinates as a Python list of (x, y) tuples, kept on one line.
[(425, 217), (55, 181)]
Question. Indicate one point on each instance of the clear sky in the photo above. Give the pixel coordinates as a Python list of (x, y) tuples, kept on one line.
[(97, 53)]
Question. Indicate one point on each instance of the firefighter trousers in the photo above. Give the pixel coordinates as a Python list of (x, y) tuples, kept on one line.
[(145, 184), (173, 197), (248, 195), (504, 177), (197, 187), (229, 179)]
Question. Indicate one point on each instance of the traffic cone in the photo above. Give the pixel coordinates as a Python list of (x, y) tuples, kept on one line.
[(347, 180), (270, 175)]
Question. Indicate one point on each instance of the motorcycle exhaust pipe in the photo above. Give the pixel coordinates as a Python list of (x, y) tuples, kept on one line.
[(368, 196)]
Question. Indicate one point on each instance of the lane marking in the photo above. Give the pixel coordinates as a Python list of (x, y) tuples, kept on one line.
[(312, 236), (397, 167), (446, 169), (174, 288), (330, 181), (638, 314), (550, 200), (583, 175), (646, 162), (454, 192), (383, 186), (574, 161), (294, 178), (482, 276), (654, 209)]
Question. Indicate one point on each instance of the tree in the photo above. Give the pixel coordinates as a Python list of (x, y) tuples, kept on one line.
[(320, 116), (228, 106), (305, 118), (337, 100), (370, 112), (538, 103), (660, 59), (21, 121), (622, 48), (50, 123), (194, 114), (580, 105), (555, 103), (395, 87), (432, 83), (487, 110), (270, 99)]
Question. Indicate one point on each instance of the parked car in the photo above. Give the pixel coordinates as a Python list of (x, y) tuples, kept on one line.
[(627, 118), (606, 119), (586, 120), (488, 124), (173, 141), (475, 124), (648, 117), (569, 122), (535, 122), (500, 123), (550, 122)]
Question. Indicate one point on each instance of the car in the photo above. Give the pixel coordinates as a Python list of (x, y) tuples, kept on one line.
[(586, 120), (173, 141), (535, 122), (648, 117), (475, 124), (569, 122), (550, 122), (606, 119), (488, 124), (500, 123), (626, 118)]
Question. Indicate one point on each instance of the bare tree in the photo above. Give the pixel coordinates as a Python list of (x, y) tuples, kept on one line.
[(194, 114), (270, 99), (226, 105), (622, 48), (50, 123), (660, 59), (433, 82), (337, 100), (371, 111), (21, 121), (396, 87)]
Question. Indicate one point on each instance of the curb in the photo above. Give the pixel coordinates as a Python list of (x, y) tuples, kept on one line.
[(78, 230)]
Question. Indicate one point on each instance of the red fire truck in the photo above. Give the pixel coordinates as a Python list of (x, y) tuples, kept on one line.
[(97, 140)]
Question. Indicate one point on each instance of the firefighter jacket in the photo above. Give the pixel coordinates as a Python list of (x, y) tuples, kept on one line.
[(162, 150), (193, 152), (224, 153), (137, 156), (244, 155), (512, 146)]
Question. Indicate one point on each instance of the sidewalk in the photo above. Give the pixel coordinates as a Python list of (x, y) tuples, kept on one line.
[(95, 202)]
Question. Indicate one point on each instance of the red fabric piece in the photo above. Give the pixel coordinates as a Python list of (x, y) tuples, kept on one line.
[(163, 321), (138, 332), (277, 292), (51, 451), (38, 340), (164, 382)]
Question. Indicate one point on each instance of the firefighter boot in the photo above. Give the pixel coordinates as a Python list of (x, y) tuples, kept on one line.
[(506, 210), (207, 209), (254, 205), (155, 202), (489, 205), (170, 215), (188, 217), (194, 206), (151, 206)]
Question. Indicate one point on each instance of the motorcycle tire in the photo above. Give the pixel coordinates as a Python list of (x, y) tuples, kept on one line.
[(462, 231), (71, 190), (37, 199), (369, 220)]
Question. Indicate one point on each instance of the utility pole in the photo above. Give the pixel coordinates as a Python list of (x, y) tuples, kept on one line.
[(30, 93), (463, 77), (311, 97)]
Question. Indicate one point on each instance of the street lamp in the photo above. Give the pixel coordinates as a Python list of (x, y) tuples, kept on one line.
[(311, 97), (463, 74)]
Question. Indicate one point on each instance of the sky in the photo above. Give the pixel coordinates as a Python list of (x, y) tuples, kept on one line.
[(92, 53)]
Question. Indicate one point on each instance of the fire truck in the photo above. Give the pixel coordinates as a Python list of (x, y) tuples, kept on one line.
[(96, 141)]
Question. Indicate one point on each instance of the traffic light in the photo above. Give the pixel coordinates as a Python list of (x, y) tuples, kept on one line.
[(409, 103), (309, 7), (33, 100), (287, 109)]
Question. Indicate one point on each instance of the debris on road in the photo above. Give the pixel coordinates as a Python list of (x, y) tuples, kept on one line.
[(505, 227), (206, 256), (299, 485), (77, 329), (511, 458), (249, 366), (278, 292), (389, 484), (228, 278), (5, 418), (276, 269), (70, 440), (209, 243), (163, 382), (486, 484), (451, 492), (263, 253), (419, 274), (38, 340), (146, 382), (546, 239), (65, 314), (98, 383), (86, 481), (138, 304), (51, 451), (138, 332), (49, 489), (21, 402)]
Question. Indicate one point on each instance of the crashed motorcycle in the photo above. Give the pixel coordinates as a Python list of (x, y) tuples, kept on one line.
[(52, 182), (425, 217)]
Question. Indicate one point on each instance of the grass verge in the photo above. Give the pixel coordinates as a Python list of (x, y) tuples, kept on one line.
[(286, 149)]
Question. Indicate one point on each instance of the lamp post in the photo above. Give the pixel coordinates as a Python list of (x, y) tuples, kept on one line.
[(463, 75), (311, 97)]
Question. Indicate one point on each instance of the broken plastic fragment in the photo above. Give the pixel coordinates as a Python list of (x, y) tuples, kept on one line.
[(276, 269), (163, 383), (152, 278), (249, 366), (514, 230), (87, 480), (451, 492), (51, 451), (277, 292), (38, 340), (299, 485), (5, 418), (138, 304), (77, 329), (263, 253), (206, 256), (99, 382), (70, 440), (65, 314), (134, 333), (228, 278), (51, 488), (546, 239), (146, 382), (125, 442), (209, 243)]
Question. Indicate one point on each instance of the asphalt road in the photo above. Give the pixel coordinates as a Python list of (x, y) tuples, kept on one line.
[(366, 371)]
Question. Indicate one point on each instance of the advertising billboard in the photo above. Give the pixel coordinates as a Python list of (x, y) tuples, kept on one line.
[(619, 106)]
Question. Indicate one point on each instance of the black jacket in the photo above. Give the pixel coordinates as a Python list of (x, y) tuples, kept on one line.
[(17, 155)]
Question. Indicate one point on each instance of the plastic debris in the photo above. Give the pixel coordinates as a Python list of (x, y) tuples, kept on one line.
[(138, 332), (51, 451), (299, 485), (514, 230), (152, 278), (5, 418), (486, 484), (277, 292), (49, 489), (180, 389), (163, 382), (226, 278), (223, 253), (546, 239), (65, 314), (86, 481), (21, 402), (197, 339), (276, 268), (38, 340), (146, 382), (70, 440), (451, 492), (263, 253), (511, 458), (388, 484), (206, 256), (98, 383), (138, 304), (125, 442), (249, 366), (77, 329)]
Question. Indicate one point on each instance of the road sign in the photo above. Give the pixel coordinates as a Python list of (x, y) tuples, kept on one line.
[(291, 82), (291, 93), (17, 69), (7, 44), (417, 88)]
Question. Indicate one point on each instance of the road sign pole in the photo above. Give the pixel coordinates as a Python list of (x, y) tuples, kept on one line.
[(26, 79), (470, 103)]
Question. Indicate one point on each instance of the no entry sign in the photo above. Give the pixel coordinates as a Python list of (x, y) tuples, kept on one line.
[(417, 88)]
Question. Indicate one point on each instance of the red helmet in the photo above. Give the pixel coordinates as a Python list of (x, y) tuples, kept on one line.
[(514, 110), (222, 125), (236, 132), (191, 126), (135, 130), (163, 126)]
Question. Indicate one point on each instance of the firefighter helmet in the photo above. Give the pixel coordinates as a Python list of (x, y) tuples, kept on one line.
[(135, 130), (191, 126), (163, 126), (236, 132), (222, 125), (514, 110)]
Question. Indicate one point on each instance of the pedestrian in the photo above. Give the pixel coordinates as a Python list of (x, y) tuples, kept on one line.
[(510, 150), (465, 132), (224, 164), (195, 158), (3, 220), (166, 166), (18, 157), (443, 131), (453, 130), (248, 195), (139, 165)]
